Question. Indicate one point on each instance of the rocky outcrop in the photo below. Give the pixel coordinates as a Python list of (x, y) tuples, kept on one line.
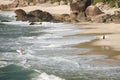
[(116, 17), (62, 2), (107, 18), (65, 17), (93, 11), (3, 7), (35, 13), (102, 18), (78, 8), (21, 15), (33, 16), (17, 3), (117, 3)]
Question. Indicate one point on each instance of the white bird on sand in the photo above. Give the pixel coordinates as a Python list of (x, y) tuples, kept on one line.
[(20, 51)]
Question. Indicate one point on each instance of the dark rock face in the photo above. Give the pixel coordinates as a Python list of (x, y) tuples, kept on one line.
[(45, 16), (21, 15), (5, 21), (40, 15), (80, 5), (33, 16), (88, 3), (35, 13), (78, 8)]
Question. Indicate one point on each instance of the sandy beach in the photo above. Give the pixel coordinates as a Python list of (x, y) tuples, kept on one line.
[(109, 46), (61, 9), (110, 30)]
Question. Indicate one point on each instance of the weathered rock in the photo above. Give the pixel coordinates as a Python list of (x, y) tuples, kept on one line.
[(15, 3), (102, 18), (93, 11), (45, 16), (32, 23), (106, 18), (21, 15), (5, 21), (41, 16), (73, 17), (3, 7), (115, 18), (78, 8), (63, 2), (35, 13), (65, 17), (29, 1), (117, 13), (33, 16), (80, 5), (40, 1), (117, 3)]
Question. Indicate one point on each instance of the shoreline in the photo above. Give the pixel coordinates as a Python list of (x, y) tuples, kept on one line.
[(110, 30), (54, 10), (109, 46)]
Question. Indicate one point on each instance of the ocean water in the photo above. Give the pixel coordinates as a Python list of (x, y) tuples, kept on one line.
[(47, 52)]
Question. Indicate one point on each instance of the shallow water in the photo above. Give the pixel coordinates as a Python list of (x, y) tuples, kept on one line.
[(47, 53)]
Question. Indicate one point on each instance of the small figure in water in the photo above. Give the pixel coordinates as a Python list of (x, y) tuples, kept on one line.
[(104, 37), (20, 51)]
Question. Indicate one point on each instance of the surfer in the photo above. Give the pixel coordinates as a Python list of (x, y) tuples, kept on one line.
[(20, 51)]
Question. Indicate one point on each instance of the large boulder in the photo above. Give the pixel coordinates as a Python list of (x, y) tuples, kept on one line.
[(44, 16), (102, 18), (21, 15), (107, 18), (35, 13), (78, 8), (79, 5), (33, 16), (116, 17), (93, 11), (3, 7), (64, 17)]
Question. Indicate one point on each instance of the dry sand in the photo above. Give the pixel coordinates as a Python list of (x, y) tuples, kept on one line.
[(62, 9), (53, 9)]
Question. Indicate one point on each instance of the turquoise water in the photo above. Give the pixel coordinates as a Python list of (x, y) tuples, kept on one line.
[(47, 53)]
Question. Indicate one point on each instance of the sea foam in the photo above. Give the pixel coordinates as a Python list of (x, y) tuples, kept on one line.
[(45, 76)]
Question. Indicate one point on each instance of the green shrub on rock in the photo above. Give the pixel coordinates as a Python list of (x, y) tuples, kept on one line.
[(110, 2)]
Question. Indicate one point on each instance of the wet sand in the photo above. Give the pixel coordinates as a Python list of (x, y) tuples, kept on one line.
[(109, 46), (111, 32)]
